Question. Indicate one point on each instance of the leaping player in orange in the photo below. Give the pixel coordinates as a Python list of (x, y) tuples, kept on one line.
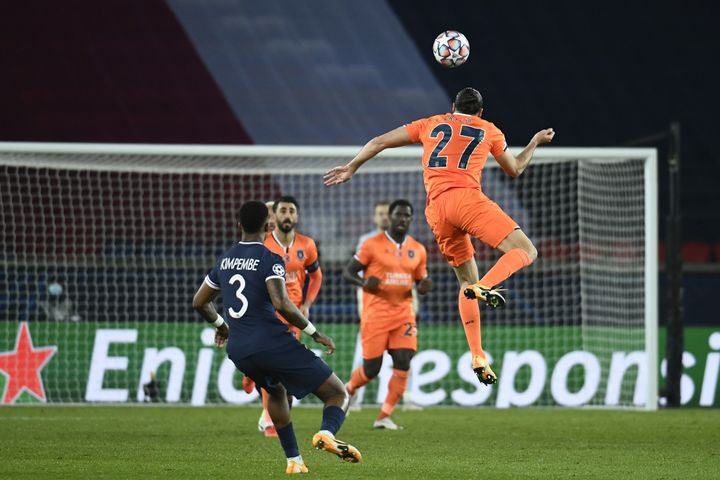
[(455, 149), (301, 261)]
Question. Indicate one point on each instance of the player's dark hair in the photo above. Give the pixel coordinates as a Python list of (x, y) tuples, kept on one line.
[(381, 203), (401, 202), (253, 215), (286, 199), (469, 101)]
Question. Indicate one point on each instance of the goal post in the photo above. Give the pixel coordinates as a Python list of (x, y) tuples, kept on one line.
[(128, 232)]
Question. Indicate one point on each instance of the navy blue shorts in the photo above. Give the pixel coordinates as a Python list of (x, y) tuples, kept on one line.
[(293, 365)]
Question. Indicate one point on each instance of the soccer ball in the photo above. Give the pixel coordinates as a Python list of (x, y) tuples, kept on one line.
[(451, 48)]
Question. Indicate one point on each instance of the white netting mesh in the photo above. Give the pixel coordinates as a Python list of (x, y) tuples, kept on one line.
[(129, 234)]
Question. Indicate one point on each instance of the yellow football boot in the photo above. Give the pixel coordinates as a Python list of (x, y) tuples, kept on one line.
[(327, 442), (295, 467), (482, 369), (490, 296)]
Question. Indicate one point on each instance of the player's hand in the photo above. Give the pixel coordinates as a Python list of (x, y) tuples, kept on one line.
[(323, 339), (424, 286), (544, 136), (221, 335), (305, 310), (338, 175), (371, 284)]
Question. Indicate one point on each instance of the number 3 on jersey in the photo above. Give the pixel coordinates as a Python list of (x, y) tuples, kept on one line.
[(237, 278), (476, 136)]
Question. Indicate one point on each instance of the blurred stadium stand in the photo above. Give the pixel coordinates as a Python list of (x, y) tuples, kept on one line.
[(313, 72)]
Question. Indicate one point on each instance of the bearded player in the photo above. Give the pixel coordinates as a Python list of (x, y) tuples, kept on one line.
[(455, 149), (301, 261)]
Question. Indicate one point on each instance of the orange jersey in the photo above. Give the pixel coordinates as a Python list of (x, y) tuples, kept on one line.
[(455, 149), (301, 256), (397, 267)]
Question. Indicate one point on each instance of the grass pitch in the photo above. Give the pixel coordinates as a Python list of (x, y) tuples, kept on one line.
[(223, 442)]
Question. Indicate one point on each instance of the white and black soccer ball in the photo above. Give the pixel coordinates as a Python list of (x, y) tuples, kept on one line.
[(451, 48)]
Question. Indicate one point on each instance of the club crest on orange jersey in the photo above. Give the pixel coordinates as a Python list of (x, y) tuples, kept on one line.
[(300, 254), (411, 253)]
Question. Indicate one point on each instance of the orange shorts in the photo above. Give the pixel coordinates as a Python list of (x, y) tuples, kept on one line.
[(456, 214), (377, 337)]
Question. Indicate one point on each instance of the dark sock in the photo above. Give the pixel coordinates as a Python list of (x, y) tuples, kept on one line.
[(288, 441), (333, 418)]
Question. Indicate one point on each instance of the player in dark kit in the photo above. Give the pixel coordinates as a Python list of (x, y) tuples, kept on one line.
[(251, 280)]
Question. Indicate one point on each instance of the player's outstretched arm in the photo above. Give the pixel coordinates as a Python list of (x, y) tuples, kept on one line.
[(203, 303), (281, 302), (394, 138), (514, 166)]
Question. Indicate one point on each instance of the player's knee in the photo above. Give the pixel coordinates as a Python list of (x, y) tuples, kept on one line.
[(403, 365), (276, 391), (372, 369), (338, 395)]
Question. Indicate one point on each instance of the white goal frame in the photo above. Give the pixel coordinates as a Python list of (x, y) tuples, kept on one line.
[(397, 160)]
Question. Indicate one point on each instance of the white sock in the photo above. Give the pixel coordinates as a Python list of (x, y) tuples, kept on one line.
[(327, 432), (297, 459)]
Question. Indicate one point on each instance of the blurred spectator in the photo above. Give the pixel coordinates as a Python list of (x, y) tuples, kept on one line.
[(57, 306), (152, 389)]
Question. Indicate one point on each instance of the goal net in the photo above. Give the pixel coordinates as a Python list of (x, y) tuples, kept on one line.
[(103, 247)]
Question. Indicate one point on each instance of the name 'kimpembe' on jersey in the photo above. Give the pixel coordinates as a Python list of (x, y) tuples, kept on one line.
[(240, 275)]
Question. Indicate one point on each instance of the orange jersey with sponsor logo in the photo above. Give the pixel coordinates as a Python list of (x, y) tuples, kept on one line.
[(397, 266), (455, 149), (300, 257)]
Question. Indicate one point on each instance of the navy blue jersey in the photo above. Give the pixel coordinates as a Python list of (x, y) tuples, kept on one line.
[(240, 275)]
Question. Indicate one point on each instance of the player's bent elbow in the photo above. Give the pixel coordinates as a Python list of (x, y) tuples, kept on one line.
[(532, 253), (511, 170)]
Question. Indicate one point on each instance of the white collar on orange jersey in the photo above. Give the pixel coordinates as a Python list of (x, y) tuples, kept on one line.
[(398, 245), (277, 240), (463, 114)]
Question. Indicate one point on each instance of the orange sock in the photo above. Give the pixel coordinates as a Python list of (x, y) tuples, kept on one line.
[(357, 379), (470, 315), (506, 265), (396, 388)]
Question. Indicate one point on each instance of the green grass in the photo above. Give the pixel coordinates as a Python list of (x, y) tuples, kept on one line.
[(222, 442)]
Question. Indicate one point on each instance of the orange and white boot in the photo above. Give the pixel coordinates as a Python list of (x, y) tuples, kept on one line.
[(294, 466), (482, 369), (324, 440), (489, 296)]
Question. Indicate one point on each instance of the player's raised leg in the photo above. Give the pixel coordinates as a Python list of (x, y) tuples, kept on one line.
[(518, 252), (332, 393), (467, 275), (279, 412)]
